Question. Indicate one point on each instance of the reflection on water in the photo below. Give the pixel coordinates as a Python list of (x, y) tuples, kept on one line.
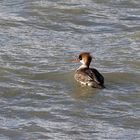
[(82, 92), (39, 98)]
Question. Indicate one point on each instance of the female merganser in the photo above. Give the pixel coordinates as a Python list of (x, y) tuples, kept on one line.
[(88, 76)]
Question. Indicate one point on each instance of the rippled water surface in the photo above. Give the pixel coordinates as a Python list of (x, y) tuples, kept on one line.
[(39, 98)]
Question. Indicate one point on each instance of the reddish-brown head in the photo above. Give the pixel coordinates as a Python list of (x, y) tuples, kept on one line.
[(85, 58)]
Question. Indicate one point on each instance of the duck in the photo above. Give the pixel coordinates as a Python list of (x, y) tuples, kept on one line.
[(88, 76)]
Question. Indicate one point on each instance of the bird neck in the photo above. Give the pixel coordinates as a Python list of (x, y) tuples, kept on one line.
[(83, 66)]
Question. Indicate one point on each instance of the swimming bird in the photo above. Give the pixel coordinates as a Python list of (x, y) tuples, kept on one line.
[(86, 75)]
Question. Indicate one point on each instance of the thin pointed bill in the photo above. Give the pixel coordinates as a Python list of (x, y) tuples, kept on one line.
[(74, 60)]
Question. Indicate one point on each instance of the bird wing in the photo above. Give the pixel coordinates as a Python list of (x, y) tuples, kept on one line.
[(87, 75), (91, 76), (82, 77), (97, 76)]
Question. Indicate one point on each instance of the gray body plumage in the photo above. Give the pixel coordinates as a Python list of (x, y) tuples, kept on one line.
[(90, 77)]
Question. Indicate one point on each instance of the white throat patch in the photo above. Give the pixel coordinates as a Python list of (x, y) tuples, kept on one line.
[(82, 66), (82, 62)]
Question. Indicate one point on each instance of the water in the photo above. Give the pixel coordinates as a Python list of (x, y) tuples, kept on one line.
[(39, 98)]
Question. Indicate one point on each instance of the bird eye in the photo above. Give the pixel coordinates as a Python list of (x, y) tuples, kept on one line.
[(80, 57)]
